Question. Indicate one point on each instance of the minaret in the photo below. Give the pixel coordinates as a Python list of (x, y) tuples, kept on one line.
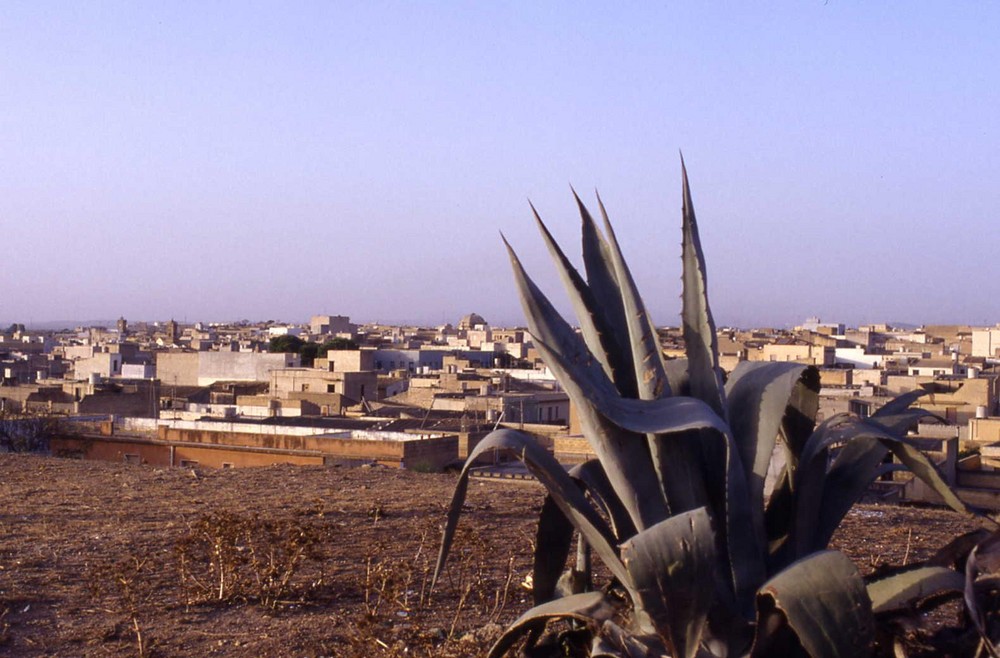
[(172, 331)]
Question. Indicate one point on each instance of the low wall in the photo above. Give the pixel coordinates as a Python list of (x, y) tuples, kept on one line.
[(173, 446), (572, 449)]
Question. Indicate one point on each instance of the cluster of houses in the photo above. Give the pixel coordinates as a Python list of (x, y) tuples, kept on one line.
[(149, 392), (418, 397)]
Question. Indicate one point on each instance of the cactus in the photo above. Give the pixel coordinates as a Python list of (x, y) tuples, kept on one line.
[(674, 504)]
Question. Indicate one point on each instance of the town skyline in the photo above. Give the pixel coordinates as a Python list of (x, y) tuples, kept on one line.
[(59, 326)]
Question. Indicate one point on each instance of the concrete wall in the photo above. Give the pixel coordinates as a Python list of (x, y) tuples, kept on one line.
[(206, 368), (864, 377), (212, 445), (836, 377), (856, 357), (178, 368), (572, 449), (155, 453), (985, 342), (142, 403), (103, 364), (984, 430), (241, 366), (138, 371)]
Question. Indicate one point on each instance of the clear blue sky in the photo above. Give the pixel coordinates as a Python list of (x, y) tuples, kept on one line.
[(220, 161)]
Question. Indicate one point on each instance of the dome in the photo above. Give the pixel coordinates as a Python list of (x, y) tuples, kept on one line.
[(470, 321)]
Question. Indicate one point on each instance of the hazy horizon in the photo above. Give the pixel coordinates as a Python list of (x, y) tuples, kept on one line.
[(58, 325), (238, 160)]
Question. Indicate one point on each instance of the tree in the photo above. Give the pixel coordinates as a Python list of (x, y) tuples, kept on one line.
[(26, 432), (308, 353), (291, 344), (337, 344)]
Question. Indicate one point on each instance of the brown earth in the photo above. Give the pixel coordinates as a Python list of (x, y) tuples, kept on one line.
[(102, 559)]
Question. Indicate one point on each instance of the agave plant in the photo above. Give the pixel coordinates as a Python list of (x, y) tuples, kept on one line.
[(702, 562)]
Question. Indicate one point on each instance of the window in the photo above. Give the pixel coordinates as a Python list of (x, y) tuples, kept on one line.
[(227, 464), (132, 458), (188, 463)]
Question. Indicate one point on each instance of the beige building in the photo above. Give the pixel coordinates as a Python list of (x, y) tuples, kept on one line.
[(354, 385), (101, 364), (986, 342), (347, 360), (332, 324), (206, 368), (816, 355)]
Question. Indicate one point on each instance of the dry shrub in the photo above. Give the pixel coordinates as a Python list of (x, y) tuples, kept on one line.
[(230, 557), (126, 583)]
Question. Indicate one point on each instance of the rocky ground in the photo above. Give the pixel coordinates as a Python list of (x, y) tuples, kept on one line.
[(101, 559)]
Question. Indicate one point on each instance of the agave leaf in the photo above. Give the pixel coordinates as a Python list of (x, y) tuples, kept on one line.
[(553, 539), (545, 324), (647, 357), (824, 498), (854, 469), (956, 552), (663, 415), (554, 535), (700, 340), (613, 641), (809, 475), (594, 481), (604, 284), (599, 338), (677, 376), (835, 429), (779, 513), (591, 608), (808, 529), (627, 460), (900, 423), (687, 419), (823, 600), (906, 589), (670, 565), (983, 559), (556, 481), (758, 394), (584, 569), (920, 465), (676, 462), (729, 499), (799, 420), (673, 421), (899, 404)]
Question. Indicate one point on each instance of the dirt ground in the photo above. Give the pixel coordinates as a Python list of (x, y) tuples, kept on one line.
[(102, 559)]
